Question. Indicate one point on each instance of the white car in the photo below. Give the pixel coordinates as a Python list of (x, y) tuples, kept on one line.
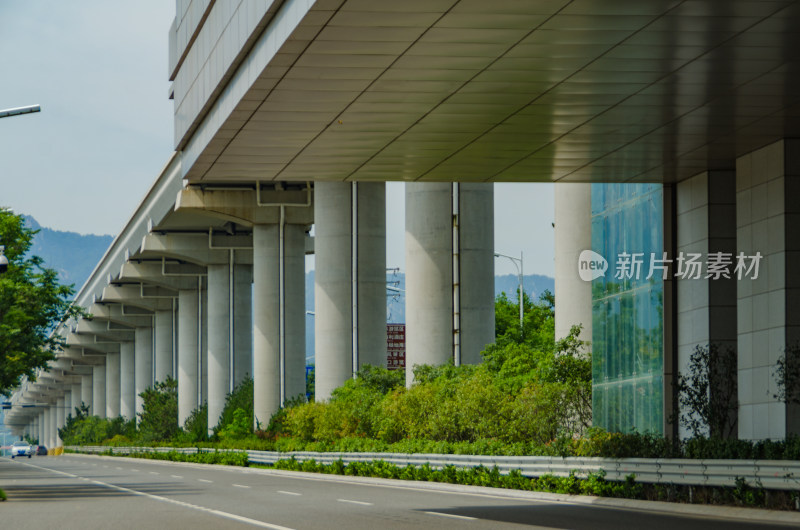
[(21, 448)]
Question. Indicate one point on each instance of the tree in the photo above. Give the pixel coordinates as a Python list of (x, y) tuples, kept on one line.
[(708, 391), (32, 302)]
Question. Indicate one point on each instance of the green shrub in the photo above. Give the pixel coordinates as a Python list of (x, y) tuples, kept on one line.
[(196, 426), (240, 427), (159, 417), (240, 399)]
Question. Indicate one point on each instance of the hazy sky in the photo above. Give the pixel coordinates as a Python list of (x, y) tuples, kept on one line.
[(98, 68)]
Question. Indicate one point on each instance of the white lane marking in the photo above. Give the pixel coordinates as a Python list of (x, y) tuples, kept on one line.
[(452, 516), (154, 473), (356, 502), (204, 480), (289, 492), (176, 476), (240, 486), (218, 513), (119, 468)]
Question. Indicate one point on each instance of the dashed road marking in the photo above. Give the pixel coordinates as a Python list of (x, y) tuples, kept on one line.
[(289, 493), (240, 486), (362, 503), (218, 513), (205, 480), (452, 516)]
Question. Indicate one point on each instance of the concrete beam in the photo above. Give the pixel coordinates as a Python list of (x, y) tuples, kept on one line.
[(103, 331), (136, 296), (198, 248), (121, 315), (250, 206), (91, 342), (156, 273)]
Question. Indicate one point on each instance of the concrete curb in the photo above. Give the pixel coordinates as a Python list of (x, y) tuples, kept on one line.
[(731, 513)]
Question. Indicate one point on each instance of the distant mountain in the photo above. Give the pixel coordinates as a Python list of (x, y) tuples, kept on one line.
[(74, 256)]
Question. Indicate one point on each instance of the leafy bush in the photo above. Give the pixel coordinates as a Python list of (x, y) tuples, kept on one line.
[(83, 429), (159, 417), (196, 426), (707, 392), (228, 458), (240, 399)]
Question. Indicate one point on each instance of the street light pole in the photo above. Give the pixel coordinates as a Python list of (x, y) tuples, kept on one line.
[(7, 113), (520, 271), (19, 110)]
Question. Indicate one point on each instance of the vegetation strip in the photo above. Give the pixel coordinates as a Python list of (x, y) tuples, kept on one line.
[(595, 484)]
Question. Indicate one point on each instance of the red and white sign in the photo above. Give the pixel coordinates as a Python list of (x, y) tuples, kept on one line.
[(395, 346)]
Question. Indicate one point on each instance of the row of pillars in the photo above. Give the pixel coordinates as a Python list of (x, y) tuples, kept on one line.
[(209, 349)]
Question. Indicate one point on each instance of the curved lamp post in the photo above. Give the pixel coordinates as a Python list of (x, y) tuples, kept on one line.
[(19, 110), (519, 267)]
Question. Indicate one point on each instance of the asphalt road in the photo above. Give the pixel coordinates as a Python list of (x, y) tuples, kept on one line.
[(83, 492)]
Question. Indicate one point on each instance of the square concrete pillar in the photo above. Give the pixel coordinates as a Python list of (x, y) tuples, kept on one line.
[(768, 306), (706, 307)]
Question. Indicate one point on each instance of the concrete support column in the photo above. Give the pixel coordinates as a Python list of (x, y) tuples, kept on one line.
[(76, 398), (242, 323), (476, 261), (449, 229), (573, 235), (60, 408), (99, 390), (46, 428), (127, 380), (706, 204), (52, 439), (204, 345), (86, 392), (143, 351), (164, 341), (349, 261), (218, 341), (112, 385), (188, 352), (278, 321), (767, 217)]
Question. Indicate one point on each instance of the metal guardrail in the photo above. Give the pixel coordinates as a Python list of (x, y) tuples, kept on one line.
[(770, 474)]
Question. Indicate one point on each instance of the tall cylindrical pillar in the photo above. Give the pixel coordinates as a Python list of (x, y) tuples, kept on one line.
[(99, 390), (350, 261), (573, 231), (112, 385), (60, 407), (188, 352), (476, 268), (127, 380), (86, 392), (242, 323), (429, 275), (143, 352), (163, 344), (449, 231), (76, 399), (218, 341), (46, 428), (278, 316), (52, 427)]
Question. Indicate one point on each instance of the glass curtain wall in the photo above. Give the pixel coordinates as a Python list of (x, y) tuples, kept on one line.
[(627, 309)]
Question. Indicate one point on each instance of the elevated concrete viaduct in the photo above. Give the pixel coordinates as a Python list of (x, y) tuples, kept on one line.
[(292, 114)]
